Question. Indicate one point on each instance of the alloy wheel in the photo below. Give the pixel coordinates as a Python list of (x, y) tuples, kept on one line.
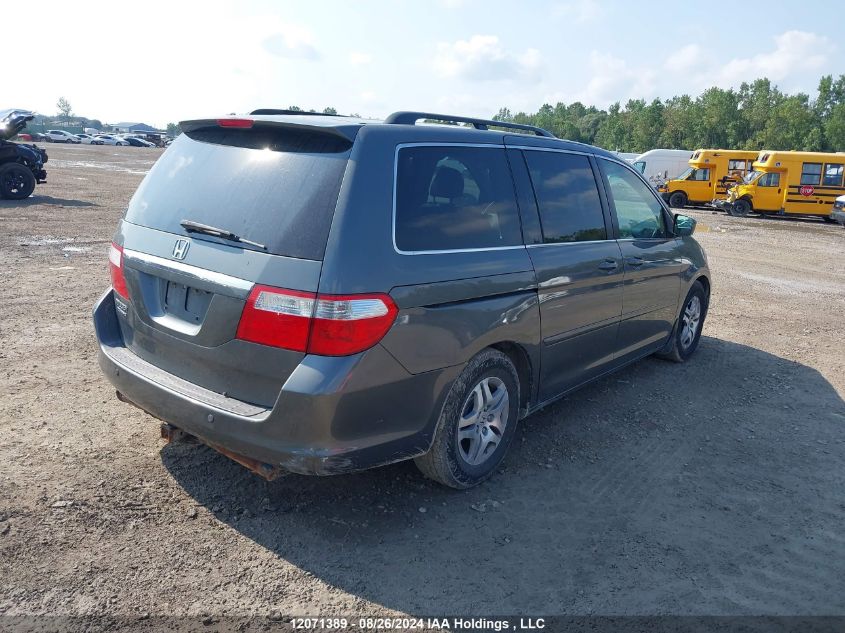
[(484, 417), (691, 321)]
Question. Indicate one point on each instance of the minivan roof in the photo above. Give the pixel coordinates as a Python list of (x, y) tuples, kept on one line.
[(348, 127)]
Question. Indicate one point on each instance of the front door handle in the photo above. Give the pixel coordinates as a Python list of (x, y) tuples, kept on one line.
[(608, 265), (635, 262)]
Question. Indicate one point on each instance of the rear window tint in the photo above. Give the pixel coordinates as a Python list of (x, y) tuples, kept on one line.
[(455, 198), (278, 187)]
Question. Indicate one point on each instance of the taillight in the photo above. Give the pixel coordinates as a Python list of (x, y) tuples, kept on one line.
[(350, 324), (327, 325), (281, 318), (118, 281)]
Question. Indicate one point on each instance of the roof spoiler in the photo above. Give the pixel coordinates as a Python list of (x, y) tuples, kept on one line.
[(347, 132), (411, 118)]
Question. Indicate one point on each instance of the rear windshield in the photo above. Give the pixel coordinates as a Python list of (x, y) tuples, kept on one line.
[(271, 185)]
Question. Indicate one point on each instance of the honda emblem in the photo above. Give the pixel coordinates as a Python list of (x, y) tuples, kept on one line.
[(180, 249)]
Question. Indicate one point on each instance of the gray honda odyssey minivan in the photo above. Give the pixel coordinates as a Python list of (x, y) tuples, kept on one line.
[(323, 294)]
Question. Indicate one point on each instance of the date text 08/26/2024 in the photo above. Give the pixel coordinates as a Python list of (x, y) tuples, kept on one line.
[(424, 624)]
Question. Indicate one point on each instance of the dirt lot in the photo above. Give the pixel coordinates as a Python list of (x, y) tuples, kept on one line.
[(714, 487)]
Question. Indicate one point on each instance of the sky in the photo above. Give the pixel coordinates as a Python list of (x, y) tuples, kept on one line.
[(158, 62)]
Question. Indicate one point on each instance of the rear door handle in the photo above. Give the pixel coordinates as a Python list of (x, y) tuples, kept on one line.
[(608, 264), (635, 262)]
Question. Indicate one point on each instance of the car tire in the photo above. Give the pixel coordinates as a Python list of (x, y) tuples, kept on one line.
[(477, 423), (16, 182), (741, 207), (678, 200), (690, 322)]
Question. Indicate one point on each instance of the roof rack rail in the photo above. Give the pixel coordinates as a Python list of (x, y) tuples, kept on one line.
[(302, 112), (411, 118)]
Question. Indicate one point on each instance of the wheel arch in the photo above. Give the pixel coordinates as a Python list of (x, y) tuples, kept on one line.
[(520, 358), (704, 280)]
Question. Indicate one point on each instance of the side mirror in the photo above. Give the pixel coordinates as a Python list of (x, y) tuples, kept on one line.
[(683, 225)]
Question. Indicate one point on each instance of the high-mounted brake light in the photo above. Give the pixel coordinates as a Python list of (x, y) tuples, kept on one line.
[(241, 123), (327, 325), (118, 281)]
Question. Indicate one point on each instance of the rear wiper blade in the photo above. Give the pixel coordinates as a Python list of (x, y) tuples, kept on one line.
[(195, 227)]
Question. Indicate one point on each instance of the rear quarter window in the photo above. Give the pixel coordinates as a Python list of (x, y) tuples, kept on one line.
[(454, 198)]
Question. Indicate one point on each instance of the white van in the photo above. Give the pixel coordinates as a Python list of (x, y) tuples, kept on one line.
[(628, 157), (659, 165)]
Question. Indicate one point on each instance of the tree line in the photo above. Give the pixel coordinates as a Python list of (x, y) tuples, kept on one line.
[(756, 116)]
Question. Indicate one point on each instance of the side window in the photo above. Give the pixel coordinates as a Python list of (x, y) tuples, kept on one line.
[(737, 167), (811, 173), (454, 198), (701, 174), (567, 195), (832, 175), (772, 179), (638, 212)]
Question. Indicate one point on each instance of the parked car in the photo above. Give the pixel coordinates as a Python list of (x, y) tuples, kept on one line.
[(838, 213), (21, 164), (85, 139), (324, 294), (61, 136), (137, 142), (108, 139), (38, 136)]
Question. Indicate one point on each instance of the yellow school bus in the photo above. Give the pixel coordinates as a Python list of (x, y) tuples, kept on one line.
[(711, 173), (800, 183)]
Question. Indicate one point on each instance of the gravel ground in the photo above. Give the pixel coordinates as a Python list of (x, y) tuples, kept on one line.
[(714, 487)]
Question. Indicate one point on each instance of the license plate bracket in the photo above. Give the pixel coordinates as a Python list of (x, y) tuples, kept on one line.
[(186, 303)]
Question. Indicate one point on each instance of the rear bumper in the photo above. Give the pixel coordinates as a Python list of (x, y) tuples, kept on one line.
[(333, 414), (839, 216)]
